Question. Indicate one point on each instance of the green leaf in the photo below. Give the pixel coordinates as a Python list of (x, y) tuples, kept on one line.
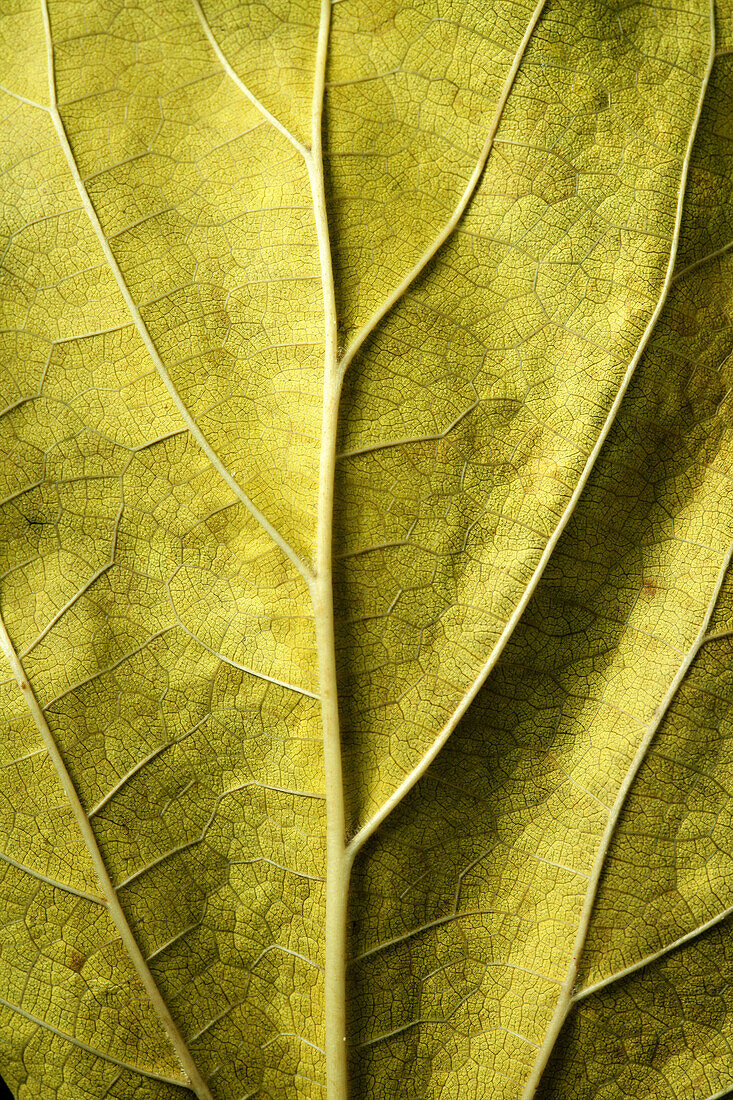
[(366, 524)]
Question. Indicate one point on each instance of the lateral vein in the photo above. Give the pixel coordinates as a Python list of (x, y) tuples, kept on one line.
[(24, 99), (421, 767), (93, 1050), (234, 76), (702, 261), (381, 312), (142, 328), (717, 636), (56, 884), (648, 959), (79, 593), (116, 911), (137, 768)]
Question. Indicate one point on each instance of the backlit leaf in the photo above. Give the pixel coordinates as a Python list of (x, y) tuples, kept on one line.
[(365, 530)]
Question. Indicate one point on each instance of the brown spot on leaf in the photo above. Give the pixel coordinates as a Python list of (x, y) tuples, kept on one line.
[(77, 960)]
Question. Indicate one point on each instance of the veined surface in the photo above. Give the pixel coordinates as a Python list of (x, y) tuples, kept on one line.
[(365, 502)]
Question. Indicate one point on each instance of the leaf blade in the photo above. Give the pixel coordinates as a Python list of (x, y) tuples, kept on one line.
[(162, 629)]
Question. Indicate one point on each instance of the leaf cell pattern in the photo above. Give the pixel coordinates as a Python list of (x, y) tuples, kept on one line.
[(477, 256)]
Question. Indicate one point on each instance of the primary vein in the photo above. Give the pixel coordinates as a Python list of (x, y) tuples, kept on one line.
[(322, 595)]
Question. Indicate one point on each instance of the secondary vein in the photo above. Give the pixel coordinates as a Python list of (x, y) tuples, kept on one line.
[(648, 959), (423, 764), (143, 330), (109, 893), (566, 998), (438, 242), (233, 75)]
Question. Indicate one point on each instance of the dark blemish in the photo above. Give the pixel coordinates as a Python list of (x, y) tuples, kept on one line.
[(76, 961)]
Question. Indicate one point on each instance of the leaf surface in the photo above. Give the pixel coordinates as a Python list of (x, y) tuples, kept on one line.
[(499, 197)]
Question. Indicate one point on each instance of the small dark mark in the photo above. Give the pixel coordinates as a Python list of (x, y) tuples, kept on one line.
[(76, 961)]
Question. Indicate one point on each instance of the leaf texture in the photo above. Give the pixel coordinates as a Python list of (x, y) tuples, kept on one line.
[(527, 477)]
